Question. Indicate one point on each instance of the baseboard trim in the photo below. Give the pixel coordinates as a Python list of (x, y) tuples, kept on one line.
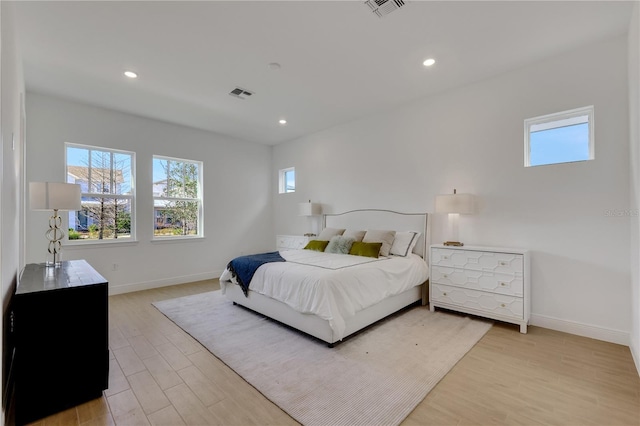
[(635, 355), (580, 329), (147, 285)]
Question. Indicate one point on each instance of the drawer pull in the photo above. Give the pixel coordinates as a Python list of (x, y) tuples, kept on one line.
[(503, 263), (503, 305), (445, 276), (503, 284), (444, 294), (445, 257)]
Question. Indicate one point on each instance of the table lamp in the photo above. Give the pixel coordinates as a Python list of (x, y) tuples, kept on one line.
[(310, 209), (54, 196), (455, 204)]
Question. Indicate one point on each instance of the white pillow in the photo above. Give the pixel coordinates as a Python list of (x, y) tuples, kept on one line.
[(384, 237), (404, 243), (327, 233), (352, 233)]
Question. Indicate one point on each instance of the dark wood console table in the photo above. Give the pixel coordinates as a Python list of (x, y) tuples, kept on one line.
[(60, 324)]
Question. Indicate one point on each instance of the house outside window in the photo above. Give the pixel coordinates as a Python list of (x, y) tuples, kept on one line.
[(107, 184), (177, 198)]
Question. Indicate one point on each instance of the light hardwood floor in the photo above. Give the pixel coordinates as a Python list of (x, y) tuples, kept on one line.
[(160, 375)]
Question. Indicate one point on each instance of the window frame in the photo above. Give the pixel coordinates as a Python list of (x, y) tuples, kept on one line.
[(200, 200), (559, 116), (131, 197), (282, 180)]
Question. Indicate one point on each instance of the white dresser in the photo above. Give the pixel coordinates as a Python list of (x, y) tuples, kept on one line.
[(291, 242), (492, 282)]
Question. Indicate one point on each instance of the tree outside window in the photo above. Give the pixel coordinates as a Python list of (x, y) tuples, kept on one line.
[(106, 180), (177, 193)]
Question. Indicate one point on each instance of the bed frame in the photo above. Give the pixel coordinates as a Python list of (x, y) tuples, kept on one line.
[(318, 327)]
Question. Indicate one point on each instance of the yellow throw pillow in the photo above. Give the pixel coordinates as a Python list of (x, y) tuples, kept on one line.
[(365, 249), (316, 245)]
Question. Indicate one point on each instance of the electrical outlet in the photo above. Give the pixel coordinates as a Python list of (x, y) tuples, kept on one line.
[(114, 267)]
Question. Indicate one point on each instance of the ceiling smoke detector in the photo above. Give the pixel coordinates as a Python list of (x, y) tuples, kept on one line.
[(384, 7), (239, 92)]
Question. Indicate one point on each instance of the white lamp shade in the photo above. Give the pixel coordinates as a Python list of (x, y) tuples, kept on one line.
[(309, 209), (455, 203), (54, 196)]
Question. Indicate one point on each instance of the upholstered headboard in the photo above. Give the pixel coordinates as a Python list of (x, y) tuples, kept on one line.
[(364, 219)]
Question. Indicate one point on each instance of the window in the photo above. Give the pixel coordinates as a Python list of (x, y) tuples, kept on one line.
[(177, 198), (106, 179), (287, 180), (563, 137)]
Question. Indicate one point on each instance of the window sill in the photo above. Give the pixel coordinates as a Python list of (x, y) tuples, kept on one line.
[(72, 245), (176, 240)]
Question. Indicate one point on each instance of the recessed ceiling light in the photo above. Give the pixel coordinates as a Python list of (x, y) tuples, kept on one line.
[(429, 62), (131, 74), (282, 121)]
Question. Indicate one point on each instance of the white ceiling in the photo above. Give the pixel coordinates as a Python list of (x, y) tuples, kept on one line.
[(338, 60)]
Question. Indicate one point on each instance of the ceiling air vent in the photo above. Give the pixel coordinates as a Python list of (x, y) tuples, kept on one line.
[(240, 93), (384, 7)]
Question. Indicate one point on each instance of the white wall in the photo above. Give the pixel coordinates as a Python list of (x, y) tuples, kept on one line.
[(634, 137), (12, 88), (471, 139), (237, 200), (12, 91)]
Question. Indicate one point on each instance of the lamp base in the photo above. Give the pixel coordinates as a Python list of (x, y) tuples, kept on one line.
[(453, 243)]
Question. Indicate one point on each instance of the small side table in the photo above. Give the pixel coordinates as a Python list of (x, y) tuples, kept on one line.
[(60, 325), (291, 242)]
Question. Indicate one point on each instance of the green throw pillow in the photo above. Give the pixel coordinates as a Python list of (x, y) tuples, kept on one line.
[(316, 245), (365, 249)]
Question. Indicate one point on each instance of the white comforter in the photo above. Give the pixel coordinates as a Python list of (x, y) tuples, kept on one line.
[(334, 286)]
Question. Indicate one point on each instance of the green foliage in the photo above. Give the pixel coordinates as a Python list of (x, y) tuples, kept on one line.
[(93, 231), (73, 234), (110, 216), (182, 182), (123, 223)]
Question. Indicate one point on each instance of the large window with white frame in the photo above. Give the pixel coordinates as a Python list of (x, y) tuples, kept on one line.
[(107, 184), (177, 198), (562, 137), (287, 180)]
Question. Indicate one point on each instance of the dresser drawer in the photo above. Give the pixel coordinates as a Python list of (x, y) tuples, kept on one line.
[(291, 242), (480, 301), (298, 243), (483, 280), (282, 242), (498, 263)]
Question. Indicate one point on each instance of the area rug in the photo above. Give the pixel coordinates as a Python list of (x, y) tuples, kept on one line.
[(376, 377)]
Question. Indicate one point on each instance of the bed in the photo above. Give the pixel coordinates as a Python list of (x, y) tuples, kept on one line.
[(331, 296)]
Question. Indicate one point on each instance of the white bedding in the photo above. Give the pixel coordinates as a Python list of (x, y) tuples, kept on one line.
[(334, 286)]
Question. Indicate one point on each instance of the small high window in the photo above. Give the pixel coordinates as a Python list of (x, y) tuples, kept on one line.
[(563, 137), (287, 180)]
